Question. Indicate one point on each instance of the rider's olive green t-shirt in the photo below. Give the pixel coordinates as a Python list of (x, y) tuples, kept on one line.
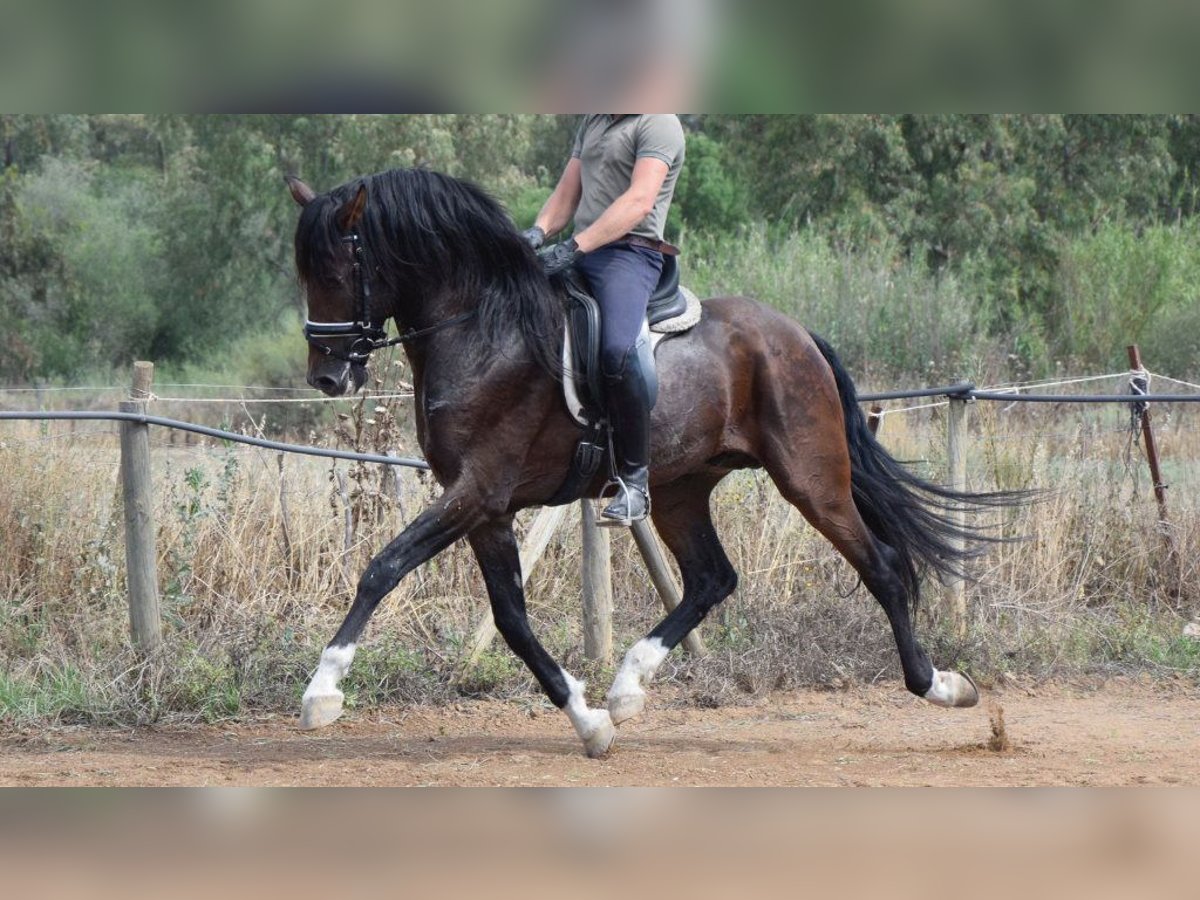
[(608, 146)]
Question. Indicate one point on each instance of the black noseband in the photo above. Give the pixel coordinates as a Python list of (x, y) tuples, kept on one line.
[(365, 333)]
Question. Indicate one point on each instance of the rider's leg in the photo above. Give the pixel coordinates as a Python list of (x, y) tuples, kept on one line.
[(628, 397), (622, 278)]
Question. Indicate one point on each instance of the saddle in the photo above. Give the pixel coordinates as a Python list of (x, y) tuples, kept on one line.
[(672, 310)]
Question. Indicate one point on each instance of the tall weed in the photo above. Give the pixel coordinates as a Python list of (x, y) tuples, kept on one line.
[(258, 561)]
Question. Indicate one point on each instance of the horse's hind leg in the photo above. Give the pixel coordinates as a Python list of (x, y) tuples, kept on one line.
[(496, 550), (823, 495), (681, 515)]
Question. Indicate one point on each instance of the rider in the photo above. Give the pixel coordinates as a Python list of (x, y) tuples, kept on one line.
[(618, 185)]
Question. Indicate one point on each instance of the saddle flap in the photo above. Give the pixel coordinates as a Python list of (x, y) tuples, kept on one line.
[(583, 325)]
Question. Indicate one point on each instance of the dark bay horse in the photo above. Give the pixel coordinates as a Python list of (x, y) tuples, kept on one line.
[(747, 387)]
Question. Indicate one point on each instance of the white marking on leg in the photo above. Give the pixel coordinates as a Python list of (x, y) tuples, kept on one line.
[(626, 696), (951, 689), (335, 663), (322, 703), (594, 726)]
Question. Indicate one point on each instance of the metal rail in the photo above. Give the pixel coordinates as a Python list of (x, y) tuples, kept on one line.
[(327, 452), (961, 391)]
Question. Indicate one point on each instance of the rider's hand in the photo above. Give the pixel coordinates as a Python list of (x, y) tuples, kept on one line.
[(534, 236), (559, 257)]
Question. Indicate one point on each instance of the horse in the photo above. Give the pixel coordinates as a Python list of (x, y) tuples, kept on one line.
[(482, 327)]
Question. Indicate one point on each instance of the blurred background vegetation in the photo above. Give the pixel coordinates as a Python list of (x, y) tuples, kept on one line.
[(924, 246)]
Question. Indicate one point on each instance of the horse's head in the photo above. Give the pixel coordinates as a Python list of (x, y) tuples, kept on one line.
[(438, 252), (341, 328)]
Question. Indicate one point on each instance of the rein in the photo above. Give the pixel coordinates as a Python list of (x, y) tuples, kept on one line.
[(367, 334)]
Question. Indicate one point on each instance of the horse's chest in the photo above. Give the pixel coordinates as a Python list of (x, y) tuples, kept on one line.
[(431, 415), (440, 430)]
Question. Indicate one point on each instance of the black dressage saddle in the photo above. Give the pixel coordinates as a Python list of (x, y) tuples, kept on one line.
[(583, 323), (581, 364)]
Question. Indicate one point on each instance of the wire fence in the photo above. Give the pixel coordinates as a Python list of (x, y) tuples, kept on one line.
[(137, 492), (1012, 392)]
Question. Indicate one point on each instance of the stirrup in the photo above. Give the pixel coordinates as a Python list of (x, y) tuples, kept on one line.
[(620, 490)]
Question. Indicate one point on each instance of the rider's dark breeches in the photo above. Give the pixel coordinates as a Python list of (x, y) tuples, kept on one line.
[(621, 278)]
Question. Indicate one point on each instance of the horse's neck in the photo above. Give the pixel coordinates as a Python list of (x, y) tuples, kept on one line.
[(451, 361), (415, 310), (460, 387), (456, 363)]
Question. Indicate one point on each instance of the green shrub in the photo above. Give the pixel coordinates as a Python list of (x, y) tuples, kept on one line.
[(1171, 342), (886, 318), (55, 692), (707, 195), (205, 686), (526, 203), (1120, 285)]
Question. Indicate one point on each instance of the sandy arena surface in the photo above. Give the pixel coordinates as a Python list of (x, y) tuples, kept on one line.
[(1117, 733)]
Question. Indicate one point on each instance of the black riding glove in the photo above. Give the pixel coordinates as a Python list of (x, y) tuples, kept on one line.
[(559, 257), (534, 236)]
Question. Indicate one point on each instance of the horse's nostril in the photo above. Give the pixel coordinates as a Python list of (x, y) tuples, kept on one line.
[(327, 384)]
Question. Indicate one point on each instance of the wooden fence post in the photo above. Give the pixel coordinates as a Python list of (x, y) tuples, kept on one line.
[(141, 560), (956, 456), (597, 587), (663, 581)]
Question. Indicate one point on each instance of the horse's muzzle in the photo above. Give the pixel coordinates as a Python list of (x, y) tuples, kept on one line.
[(338, 379)]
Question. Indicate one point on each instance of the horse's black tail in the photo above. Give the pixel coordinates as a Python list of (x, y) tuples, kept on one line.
[(909, 514)]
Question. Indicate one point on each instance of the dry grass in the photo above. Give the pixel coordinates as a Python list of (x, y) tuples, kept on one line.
[(258, 559)]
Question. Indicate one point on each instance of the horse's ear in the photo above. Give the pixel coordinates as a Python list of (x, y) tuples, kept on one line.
[(352, 210), (301, 192)]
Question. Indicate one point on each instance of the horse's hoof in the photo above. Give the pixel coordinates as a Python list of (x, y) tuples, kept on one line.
[(319, 711), (952, 689), (599, 741), (625, 707)]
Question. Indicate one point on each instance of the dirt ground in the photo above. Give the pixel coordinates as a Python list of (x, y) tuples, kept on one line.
[(1117, 733)]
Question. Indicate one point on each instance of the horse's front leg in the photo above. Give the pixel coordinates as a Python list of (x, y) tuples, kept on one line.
[(431, 532), (496, 550)]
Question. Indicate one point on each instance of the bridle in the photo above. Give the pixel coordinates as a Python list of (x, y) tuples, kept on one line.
[(366, 334)]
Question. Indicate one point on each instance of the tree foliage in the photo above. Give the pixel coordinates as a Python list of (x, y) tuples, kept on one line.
[(170, 236)]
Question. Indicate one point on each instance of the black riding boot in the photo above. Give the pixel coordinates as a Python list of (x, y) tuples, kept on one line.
[(628, 397)]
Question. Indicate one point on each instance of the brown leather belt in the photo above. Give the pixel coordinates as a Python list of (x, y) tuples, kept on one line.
[(637, 240)]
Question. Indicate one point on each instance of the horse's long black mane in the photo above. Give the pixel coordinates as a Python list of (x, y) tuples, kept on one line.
[(427, 235)]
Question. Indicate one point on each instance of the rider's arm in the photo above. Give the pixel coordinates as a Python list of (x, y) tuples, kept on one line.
[(561, 205), (631, 207)]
